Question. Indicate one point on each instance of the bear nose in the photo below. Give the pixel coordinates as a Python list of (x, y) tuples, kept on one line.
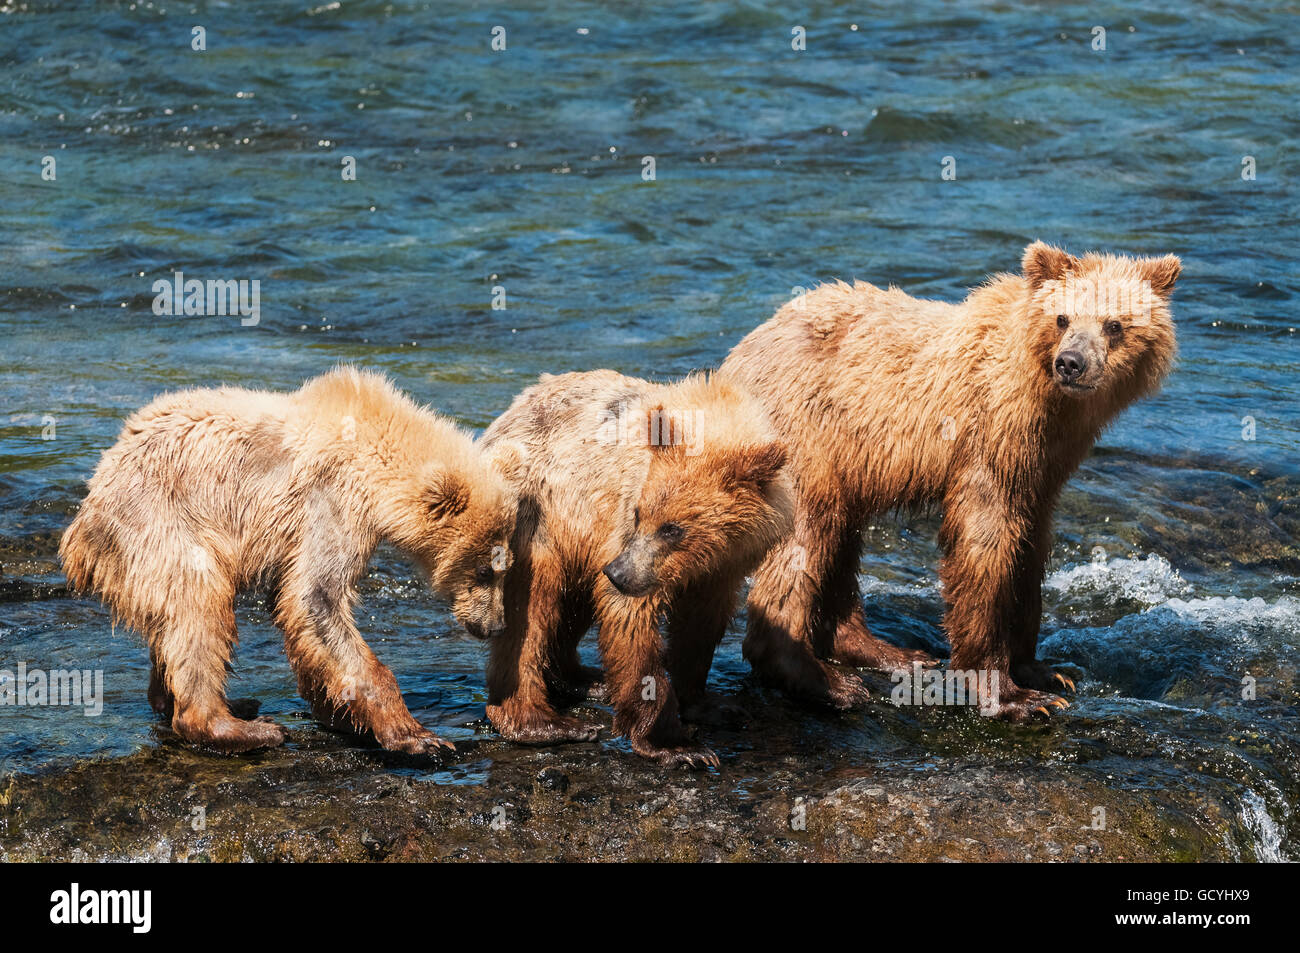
[(616, 573), (1070, 365)]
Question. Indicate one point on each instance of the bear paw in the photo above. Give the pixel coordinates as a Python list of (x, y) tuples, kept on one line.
[(415, 741), (553, 730), (840, 691), (1038, 676), (1021, 704), (231, 735), (691, 757), (856, 646)]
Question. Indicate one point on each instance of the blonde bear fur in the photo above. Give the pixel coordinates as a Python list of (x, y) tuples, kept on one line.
[(208, 492), (983, 407)]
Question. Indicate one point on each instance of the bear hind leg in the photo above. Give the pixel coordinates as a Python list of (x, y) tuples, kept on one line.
[(779, 639), (845, 624), (566, 675), (190, 659)]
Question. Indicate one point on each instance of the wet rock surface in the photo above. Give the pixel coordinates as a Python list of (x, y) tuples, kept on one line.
[(326, 798), (1181, 743)]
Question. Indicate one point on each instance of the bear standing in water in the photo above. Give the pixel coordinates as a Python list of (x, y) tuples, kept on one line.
[(985, 407), (639, 503), (207, 492)]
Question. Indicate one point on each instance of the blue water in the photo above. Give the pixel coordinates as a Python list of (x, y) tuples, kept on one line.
[(775, 169)]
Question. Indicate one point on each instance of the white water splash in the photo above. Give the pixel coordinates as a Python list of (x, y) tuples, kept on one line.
[(1265, 830), (1149, 581), (1155, 585), (1225, 611)]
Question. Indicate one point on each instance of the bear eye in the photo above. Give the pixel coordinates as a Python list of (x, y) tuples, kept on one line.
[(1062, 322), (636, 517), (483, 574), (671, 533), (1113, 328)]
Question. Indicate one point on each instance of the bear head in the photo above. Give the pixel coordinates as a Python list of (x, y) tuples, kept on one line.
[(1101, 325), (716, 495), (468, 516)]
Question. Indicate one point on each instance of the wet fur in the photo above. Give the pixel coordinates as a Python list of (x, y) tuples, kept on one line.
[(208, 492), (594, 487), (891, 402)]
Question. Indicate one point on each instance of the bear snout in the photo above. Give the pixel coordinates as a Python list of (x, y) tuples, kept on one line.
[(622, 572), (484, 631), (1070, 366)]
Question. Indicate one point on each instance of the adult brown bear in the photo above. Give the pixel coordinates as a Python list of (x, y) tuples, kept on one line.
[(986, 407)]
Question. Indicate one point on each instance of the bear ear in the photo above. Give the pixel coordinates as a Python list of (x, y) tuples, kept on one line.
[(1044, 262), (510, 459), (1161, 273), (446, 494), (758, 465), (664, 429)]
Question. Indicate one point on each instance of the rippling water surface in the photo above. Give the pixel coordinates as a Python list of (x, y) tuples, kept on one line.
[(1174, 576)]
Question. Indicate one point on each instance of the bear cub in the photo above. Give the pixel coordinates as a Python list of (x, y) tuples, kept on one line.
[(984, 408), (639, 503), (208, 492)]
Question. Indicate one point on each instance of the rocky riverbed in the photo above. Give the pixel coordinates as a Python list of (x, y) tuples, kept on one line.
[(1050, 792)]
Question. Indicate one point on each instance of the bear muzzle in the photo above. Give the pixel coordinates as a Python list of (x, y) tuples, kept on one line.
[(629, 575), (1070, 366), (485, 632)]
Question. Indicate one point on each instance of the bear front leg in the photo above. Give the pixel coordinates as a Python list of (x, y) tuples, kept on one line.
[(1027, 614), (697, 622), (645, 704), (783, 603), (982, 540), (346, 685), (519, 704)]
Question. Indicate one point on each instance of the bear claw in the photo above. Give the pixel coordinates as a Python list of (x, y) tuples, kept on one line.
[(1065, 680), (1040, 677)]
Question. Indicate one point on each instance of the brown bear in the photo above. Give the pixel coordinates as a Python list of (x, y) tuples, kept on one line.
[(984, 407), (638, 503), (208, 492)]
